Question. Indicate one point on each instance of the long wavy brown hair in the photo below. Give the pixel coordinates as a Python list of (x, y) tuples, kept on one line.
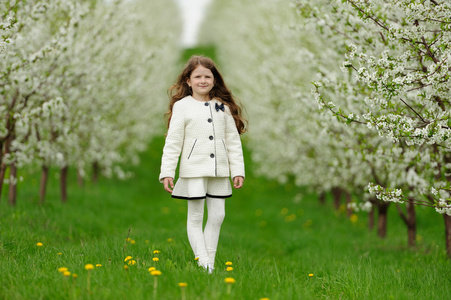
[(180, 89)]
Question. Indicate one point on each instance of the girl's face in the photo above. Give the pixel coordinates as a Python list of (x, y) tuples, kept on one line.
[(201, 81)]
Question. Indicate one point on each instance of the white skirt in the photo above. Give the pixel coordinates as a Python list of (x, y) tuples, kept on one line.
[(200, 187)]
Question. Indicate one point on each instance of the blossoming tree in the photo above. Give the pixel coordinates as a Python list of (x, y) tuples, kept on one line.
[(79, 80), (376, 111), (399, 55)]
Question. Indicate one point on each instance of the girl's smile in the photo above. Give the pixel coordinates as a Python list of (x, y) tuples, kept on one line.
[(201, 82)]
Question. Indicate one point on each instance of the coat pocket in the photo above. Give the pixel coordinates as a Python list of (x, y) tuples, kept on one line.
[(192, 148), (225, 148), (226, 156)]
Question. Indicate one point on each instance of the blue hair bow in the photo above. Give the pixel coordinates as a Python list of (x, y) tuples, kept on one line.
[(219, 107)]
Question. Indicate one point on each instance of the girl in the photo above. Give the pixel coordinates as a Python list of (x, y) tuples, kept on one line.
[(204, 128)]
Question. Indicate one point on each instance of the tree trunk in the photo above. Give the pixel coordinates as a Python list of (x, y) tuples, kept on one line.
[(5, 145), (382, 209), (411, 225), (1, 152), (348, 201), (410, 220), (448, 234), (63, 183), (3, 165), (2, 178), (79, 179), (43, 186), (336, 193), (322, 198), (12, 184), (371, 218), (95, 172)]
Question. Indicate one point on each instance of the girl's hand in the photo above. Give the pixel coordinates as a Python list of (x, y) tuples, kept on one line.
[(238, 182), (168, 181)]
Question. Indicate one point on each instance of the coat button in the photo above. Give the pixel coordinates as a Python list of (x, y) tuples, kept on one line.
[(206, 103), (210, 120), (212, 155), (210, 137)]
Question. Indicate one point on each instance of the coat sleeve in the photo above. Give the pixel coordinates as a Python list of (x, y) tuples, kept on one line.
[(173, 144), (234, 148)]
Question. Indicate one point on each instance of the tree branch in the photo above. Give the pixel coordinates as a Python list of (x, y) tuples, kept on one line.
[(420, 87), (371, 17), (413, 110), (428, 50)]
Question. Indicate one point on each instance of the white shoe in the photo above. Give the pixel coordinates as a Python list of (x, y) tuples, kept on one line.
[(210, 269)]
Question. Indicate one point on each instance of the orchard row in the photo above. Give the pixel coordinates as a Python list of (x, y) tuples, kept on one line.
[(346, 97), (81, 84)]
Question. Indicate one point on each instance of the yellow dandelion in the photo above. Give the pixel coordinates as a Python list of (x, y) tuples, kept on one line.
[(128, 239), (128, 258), (39, 244), (155, 274), (133, 242), (229, 280), (170, 240), (229, 263), (59, 253), (290, 218), (265, 299), (131, 262), (182, 286), (354, 218), (196, 259), (152, 269), (125, 267), (62, 269), (74, 275), (66, 273), (228, 269), (310, 275), (155, 259), (89, 267), (156, 251), (98, 265)]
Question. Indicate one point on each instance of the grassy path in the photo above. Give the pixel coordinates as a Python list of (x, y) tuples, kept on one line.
[(274, 238)]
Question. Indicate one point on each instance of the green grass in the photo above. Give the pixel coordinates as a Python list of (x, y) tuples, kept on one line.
[(206, 50), (272, 253)]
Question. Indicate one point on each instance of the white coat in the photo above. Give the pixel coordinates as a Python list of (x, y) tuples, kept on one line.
[(206, 138)]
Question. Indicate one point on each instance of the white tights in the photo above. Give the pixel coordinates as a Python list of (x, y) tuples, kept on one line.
[(204, 243)]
